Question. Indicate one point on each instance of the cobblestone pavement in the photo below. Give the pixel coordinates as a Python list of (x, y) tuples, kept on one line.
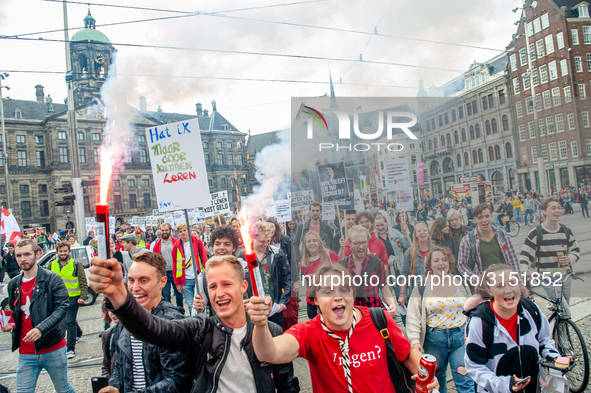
[(88, 358)]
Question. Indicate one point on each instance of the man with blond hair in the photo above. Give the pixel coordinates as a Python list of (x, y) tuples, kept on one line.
[(219, 347), (182, 262)]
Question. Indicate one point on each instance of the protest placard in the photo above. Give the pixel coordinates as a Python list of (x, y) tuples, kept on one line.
[(178, 166), (404, 200), (270, 208), (283, 208), (328, 211), (300, 200), (333, 183), (218, 204), (397, 175)]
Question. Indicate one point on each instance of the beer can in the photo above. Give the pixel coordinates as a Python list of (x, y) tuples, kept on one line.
[(559, 255), (426, 374)]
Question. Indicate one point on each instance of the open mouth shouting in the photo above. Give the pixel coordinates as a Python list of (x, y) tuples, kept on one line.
[(223, 305), (141, 297), (509, 301), (339, 311)]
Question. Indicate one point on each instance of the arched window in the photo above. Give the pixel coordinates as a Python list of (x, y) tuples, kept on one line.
[(434, 143), (480, 156), (442, 141), (494, 126), (466, 159), (491, 154), (477, 128), (472, 136), (456, 137), (448, 138), (435, 168), (430, 145), (459, 160), (83, 63), (497, 152), (487, 127), (505, 123), (508, 150), (474, 157), (464, 139), (448, 165)]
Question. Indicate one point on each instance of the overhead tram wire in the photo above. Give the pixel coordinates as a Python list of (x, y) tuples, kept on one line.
[(220, 78), (369, 39), (220, 14), (185, 14), (281, 55)]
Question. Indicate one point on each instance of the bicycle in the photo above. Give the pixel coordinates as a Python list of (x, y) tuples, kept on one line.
[(512, 229), (567, 336), (536, 220)]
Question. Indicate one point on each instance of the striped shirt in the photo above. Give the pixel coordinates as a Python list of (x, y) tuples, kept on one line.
[(139, 373), (553, 241)]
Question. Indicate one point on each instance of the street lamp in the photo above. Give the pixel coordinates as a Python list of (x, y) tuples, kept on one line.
[(3, 76), (541, 171)]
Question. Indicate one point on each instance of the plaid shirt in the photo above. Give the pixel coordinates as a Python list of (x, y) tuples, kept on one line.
[(507, 250), (367, 295)]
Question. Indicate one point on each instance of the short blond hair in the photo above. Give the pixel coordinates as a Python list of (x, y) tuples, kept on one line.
[(262, 230), (357, 228), (229, 259), (180, 225), (328, 270)]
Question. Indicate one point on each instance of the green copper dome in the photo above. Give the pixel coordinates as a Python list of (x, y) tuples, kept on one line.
[(90, 33)]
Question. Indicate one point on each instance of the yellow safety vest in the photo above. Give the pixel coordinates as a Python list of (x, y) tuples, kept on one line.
[(67, 274), (180, 261), (142, 244)]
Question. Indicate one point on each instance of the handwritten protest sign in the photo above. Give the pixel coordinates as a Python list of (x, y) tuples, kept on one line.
[(300, 200), (218, 204), (178, 166)]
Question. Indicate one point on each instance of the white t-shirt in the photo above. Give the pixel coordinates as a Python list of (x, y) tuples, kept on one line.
[(189, 272), (237, 374)]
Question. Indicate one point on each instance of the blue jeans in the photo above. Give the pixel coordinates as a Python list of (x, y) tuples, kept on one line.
[(447, 345), (530, 213), (170, 286), (189, 293), (72, 325), (517, 214), (584, 209), (55, 363)]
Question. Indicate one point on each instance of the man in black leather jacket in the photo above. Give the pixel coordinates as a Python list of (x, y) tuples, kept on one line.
[(142, 367), (222, 344), (38, 300)]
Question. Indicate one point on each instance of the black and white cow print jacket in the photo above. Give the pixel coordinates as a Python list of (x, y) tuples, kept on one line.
[(492, 368)]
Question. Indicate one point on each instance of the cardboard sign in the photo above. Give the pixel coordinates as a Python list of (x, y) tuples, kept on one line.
[(218, 204), (179, 217), (283, 210), (270, 208), (300, 200), (151, 221), (404, 200), (358, 202), (333, 182), (158, 213), (111, 224), (178, 166), (328, 211)]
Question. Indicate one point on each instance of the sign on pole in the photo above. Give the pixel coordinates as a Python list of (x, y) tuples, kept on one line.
[(397, 175), (218, 204), (270, 208), (328, 211), (420, 173), (283, 208), (178, 166), (300, 200)]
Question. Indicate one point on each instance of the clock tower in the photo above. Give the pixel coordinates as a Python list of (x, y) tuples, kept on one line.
[(91, 54)]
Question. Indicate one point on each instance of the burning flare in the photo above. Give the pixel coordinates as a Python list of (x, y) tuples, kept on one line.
[(106, 172)]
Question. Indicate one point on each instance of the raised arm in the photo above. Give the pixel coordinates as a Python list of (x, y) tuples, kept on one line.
[(275, 350)]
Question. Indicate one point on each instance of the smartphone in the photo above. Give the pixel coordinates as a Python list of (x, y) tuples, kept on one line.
[(524, 380), (98, 383)]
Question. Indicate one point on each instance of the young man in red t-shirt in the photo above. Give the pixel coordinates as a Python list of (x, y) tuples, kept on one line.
[(340, 325), (375, 246), (38, 299)]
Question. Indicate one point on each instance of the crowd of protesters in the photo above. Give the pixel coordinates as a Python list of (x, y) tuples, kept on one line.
[(216, 336)]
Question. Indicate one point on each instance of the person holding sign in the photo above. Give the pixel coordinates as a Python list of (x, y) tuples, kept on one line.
[(182, 262)]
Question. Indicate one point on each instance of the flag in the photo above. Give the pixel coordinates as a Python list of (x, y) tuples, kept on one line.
[(363, 183), (9, 227), (378, 183)]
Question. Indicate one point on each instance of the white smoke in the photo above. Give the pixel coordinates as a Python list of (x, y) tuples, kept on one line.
[(119, 137), (273, 172)]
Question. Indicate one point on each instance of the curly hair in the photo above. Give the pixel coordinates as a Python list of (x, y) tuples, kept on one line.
[(227, 231), (262, 230), (449, 257)]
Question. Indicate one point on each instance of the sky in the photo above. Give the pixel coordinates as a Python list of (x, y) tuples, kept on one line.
[(178, 78)]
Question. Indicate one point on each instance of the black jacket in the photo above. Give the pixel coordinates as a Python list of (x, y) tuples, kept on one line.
[(48, 308), (325, 234), (188, 334), (109, 340), (165, 370), (10, 262)]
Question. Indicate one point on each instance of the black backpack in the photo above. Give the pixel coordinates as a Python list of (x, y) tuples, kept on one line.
[(399, 374), (488, 329)]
